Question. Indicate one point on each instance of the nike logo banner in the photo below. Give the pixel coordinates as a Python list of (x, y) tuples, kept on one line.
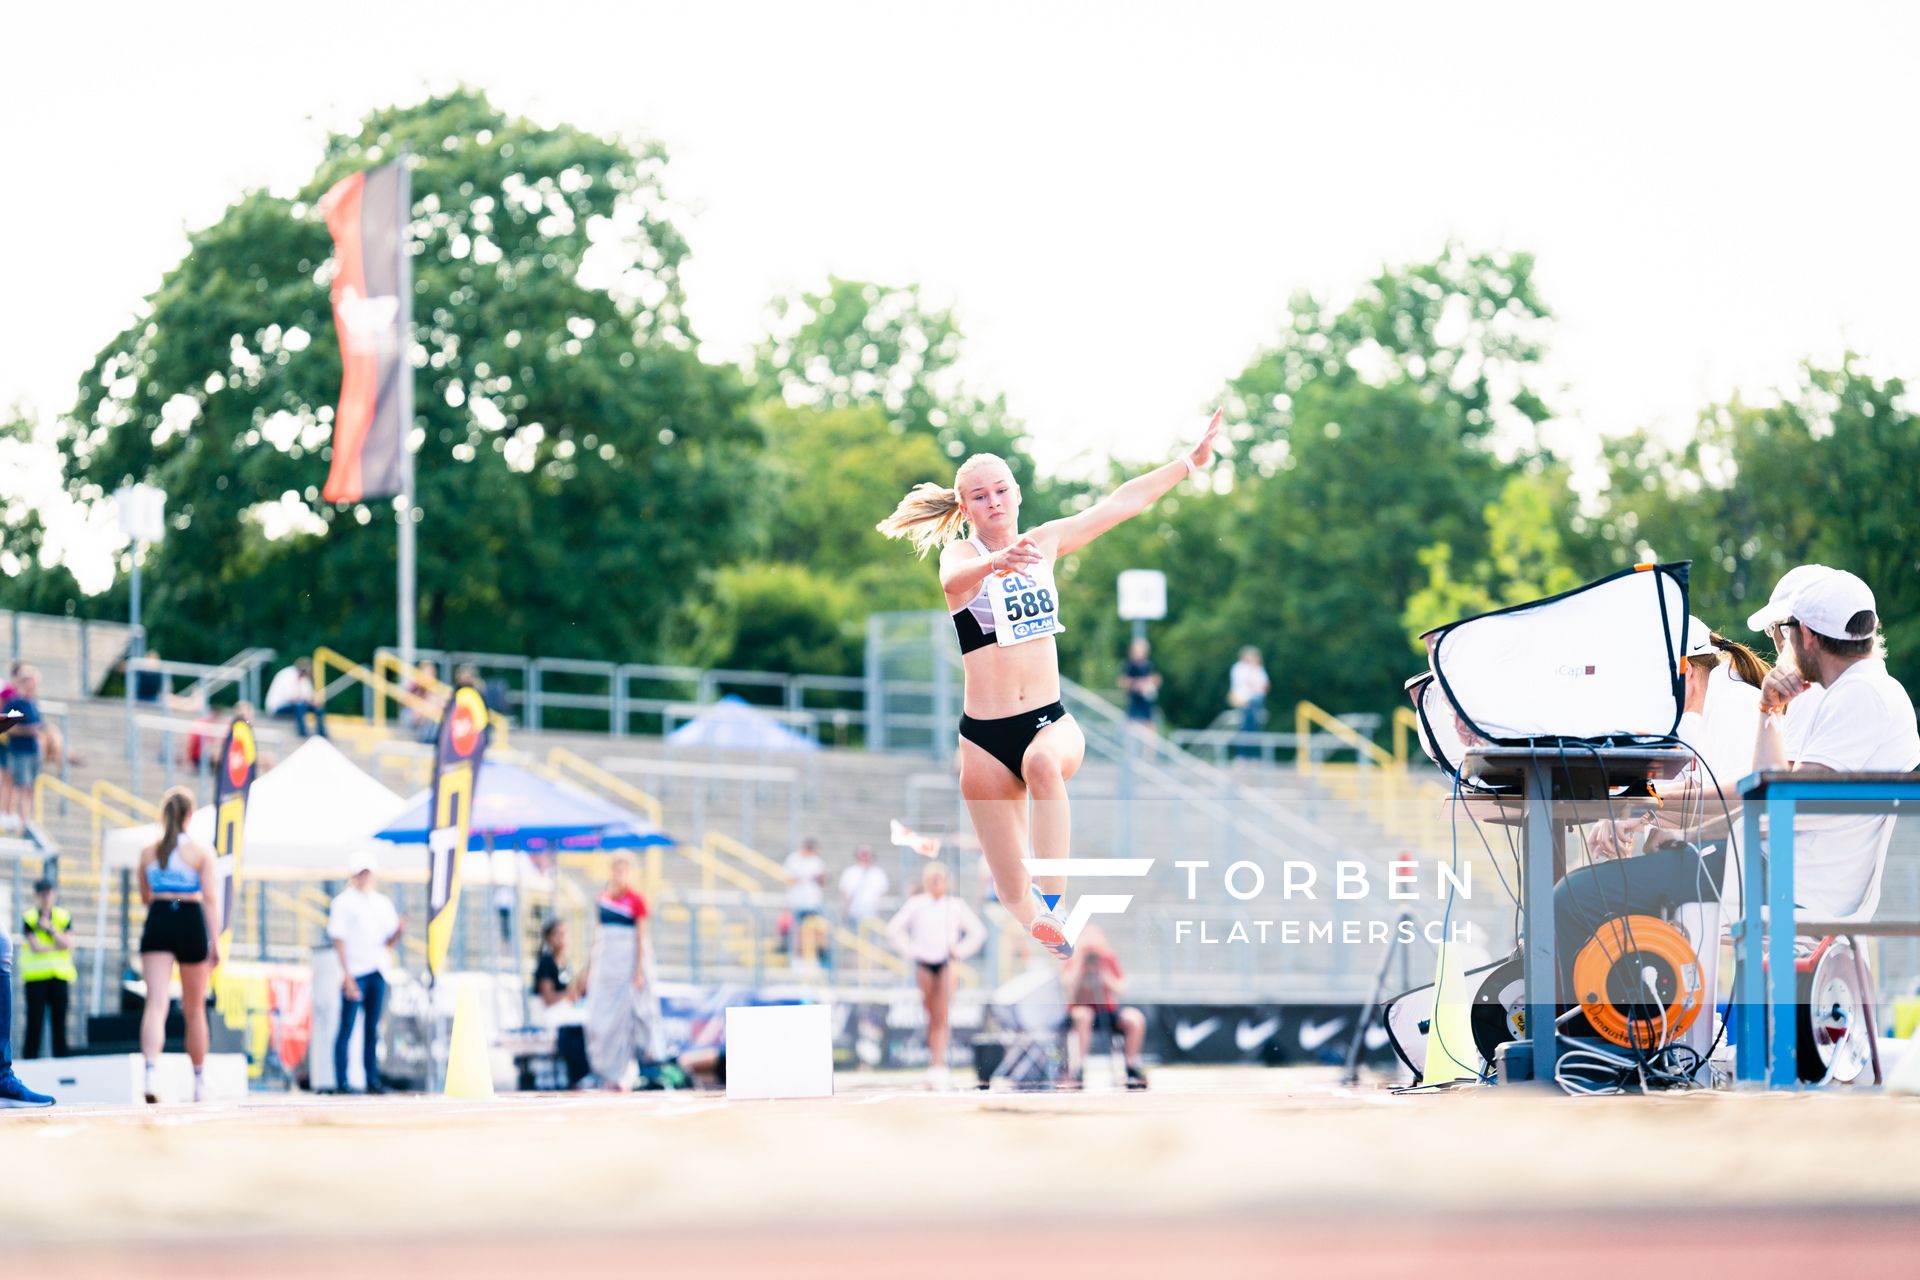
[(367, 214), (1263, 1034)]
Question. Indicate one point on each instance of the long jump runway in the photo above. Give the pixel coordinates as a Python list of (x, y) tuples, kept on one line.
[(1235, 1172)]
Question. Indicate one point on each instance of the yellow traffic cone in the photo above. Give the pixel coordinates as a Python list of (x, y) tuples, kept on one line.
[(1450, 1044), (469, 1075)]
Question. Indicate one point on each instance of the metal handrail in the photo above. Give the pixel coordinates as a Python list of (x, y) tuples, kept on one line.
[(1193, 780), (1404, 722), (741, 852), (1306, 716), (379, 688), (561, 761)]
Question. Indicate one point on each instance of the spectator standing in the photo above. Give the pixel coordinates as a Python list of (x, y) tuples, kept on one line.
[(1247, 687), (291, 697), (863, 886), (13, 1094), (1142, 683), (46, 967), (623, 1007), (180, 888), (933, 928), (363, 924), (23, 745), (806, 894)]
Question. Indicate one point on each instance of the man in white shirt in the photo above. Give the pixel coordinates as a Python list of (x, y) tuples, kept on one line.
[(1864, 724), (862, 887), (1247, 687), (291, 697), (806, 875), (1770, 619), (362, 924)]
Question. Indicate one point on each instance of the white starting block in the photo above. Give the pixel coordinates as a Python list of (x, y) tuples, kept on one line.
[(780, 1051), (119, 1079)]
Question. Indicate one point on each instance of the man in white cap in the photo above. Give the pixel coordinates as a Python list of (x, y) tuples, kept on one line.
[(1864, 724), (1770, 620), (362, 924)]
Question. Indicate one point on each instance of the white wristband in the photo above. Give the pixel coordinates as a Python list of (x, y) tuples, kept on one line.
[(1188, 459)]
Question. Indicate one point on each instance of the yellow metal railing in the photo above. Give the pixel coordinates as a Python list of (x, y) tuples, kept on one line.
[(1380, 783), (562, 762), (1405, 723), (721, 843), (386, 687), (106, 805), (1307, 718)]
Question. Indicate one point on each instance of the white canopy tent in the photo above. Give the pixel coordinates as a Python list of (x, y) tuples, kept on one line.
[(307, 816)]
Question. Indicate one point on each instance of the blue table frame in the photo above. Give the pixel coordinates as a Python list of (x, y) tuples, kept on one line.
[(1768, 989)]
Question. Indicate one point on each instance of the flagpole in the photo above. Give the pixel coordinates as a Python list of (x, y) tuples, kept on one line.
[(403, 185)]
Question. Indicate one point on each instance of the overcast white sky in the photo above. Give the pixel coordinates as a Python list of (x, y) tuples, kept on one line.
[(1118, 197)]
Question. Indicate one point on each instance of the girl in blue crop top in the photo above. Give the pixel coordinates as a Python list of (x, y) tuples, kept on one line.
[(182, 928), (1017, 742)]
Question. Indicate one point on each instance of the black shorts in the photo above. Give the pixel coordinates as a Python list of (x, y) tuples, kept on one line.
[(1008, 738), (178, 927), (934, 970)]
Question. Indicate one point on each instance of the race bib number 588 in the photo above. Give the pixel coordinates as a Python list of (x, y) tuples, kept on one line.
[(1025, 606)]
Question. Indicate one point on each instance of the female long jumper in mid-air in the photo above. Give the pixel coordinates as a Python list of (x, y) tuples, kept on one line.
[(1017, 742)]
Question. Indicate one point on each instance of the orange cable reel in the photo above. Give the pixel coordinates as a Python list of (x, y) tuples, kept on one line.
[(1617, 1004)]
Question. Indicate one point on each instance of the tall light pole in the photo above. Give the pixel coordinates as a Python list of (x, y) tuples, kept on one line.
[(141, 511)]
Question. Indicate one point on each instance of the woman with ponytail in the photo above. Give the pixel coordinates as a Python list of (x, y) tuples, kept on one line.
[(179, 885), (1721, 716), (1719, 723), (1017, 742)]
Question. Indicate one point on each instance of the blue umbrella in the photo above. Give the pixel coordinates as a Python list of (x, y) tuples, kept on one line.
[(516, 808)]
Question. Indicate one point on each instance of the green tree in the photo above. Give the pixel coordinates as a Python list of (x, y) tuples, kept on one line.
[(776, 617), (1823, 474), (821, 567), (1367, 436), (857, 343), (1527, 557), (579, 468)]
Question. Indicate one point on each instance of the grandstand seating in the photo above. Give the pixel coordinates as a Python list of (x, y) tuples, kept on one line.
[(735, 815)]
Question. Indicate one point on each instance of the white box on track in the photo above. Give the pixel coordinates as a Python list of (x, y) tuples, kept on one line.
[(780, 1051), (119, 1079)]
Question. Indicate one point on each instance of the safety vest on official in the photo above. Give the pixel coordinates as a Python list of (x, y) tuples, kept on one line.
[(39, 966)]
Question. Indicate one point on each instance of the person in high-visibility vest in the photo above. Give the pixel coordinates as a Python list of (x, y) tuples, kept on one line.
[(46, 967), (12, 1092)]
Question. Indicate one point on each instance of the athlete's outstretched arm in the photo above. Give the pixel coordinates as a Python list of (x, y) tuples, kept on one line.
[(962, 569), (1131, 498)]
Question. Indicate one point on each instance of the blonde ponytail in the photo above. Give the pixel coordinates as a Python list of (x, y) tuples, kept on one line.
[(931, 515), (928, 516)]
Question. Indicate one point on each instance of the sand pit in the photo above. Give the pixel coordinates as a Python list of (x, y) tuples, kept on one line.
[(1235, 1162)]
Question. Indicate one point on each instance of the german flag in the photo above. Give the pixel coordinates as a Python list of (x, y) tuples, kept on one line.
[(367, 214)]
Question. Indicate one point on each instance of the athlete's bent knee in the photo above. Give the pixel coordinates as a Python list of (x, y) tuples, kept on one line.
[(1042, 771)]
